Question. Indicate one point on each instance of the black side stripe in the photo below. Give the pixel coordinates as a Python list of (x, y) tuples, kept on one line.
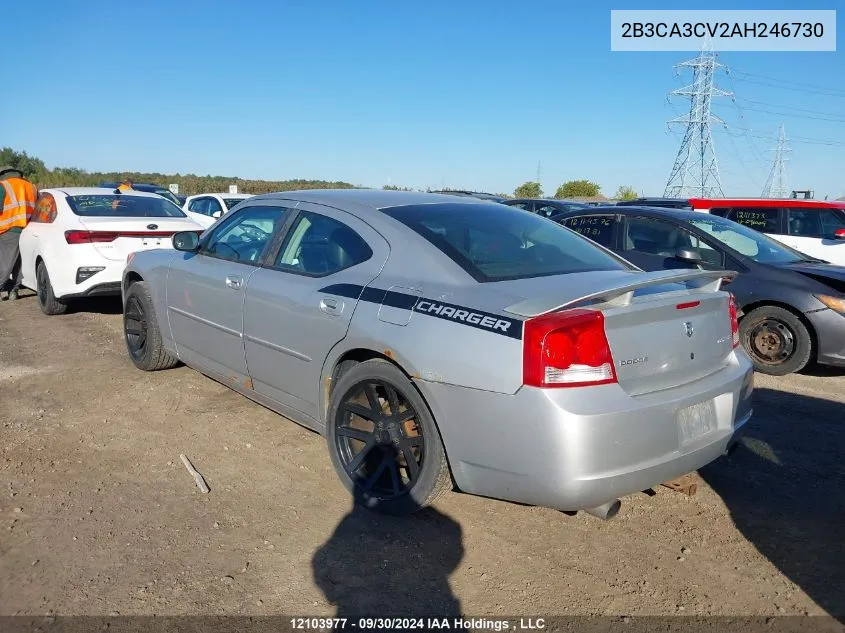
[(462, 315)]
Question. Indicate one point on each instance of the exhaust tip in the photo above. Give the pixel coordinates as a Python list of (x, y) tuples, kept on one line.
[(606, 511)]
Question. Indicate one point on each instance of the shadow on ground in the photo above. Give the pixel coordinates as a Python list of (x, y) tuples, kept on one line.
[(378, 566), (784, 489), (96, 305)]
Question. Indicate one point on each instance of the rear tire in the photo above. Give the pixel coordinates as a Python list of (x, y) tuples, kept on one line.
[(390, 431), (46, 299), (776, 340), (141, 332)]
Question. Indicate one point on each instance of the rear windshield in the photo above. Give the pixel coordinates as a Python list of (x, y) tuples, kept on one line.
[(499, 243), (124, 205)]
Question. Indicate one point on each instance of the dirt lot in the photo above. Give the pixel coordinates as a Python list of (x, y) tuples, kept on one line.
[(99, 516)]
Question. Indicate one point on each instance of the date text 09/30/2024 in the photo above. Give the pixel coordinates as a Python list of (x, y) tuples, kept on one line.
[(410, 624)]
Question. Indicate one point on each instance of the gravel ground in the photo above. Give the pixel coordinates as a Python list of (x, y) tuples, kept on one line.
[(99, 516)]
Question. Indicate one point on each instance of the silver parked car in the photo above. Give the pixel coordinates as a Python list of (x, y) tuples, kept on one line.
[(439, 340)]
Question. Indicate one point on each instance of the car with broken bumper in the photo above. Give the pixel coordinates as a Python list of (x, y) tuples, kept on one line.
[(440, 341)]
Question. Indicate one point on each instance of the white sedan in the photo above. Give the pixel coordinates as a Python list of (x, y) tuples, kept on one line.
[(204, 209), (78, 239)]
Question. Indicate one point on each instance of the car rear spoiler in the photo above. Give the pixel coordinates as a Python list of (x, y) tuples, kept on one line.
[(698, 281)]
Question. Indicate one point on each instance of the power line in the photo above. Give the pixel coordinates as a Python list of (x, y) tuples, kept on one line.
[(788, 107), (784, 84), (795, 139), (798, 116)]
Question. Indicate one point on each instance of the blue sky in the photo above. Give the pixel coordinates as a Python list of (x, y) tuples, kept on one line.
[(467, 93)]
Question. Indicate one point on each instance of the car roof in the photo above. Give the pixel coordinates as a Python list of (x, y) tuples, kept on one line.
[(715, 203), (665, 212), (92, 191), (369, 200), (223, 195)]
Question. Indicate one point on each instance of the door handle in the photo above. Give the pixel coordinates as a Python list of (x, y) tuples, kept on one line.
[(234, 282), (331, 306)]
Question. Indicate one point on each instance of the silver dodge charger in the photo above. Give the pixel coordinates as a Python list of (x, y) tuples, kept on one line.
[(441, 341)]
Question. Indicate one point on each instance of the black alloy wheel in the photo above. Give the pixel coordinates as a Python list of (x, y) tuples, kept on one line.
[(135, 327), (380, 444)]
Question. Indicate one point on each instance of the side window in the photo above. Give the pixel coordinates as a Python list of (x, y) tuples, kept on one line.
[(805, 222), (317, 245), (519, 205), (763, 219), (198, 205), (832, 221), (598, 228), (246, 235), (213, 206), (652, 237), (45, 209), (664, 239), (547, 211)]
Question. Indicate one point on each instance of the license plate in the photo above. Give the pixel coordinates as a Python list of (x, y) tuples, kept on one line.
[(696, 420)]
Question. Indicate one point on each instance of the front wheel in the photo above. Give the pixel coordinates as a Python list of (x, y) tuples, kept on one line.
[(777, 341), (140, 329), (383, 440)]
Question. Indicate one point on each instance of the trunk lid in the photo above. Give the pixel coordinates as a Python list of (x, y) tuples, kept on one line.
[(665, 328), (659, 342), (115, 238)]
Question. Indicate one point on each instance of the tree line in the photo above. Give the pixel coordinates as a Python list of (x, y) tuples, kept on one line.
[(36, 171), (573, 189)]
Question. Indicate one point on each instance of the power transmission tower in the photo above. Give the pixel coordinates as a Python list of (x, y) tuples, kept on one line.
[(696, 172), (775, 186)]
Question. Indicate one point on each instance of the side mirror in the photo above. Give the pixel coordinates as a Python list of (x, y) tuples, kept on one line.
[(839, 234), (217, 214), (187, 241), (691, 255)]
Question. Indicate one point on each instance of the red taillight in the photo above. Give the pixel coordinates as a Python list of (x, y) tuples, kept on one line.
[(567, 349), (839, 233), (732, 311), (89, 237)]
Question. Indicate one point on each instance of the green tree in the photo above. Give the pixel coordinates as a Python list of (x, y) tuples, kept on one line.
[(625, 193), (578, 189), (528, 189), (395, 188), (29, 166)]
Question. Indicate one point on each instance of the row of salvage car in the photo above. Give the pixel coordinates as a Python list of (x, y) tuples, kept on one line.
[(442, 341)]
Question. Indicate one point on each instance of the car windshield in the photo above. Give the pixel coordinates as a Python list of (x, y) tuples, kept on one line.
[(759, 247), (124, 205), (231, 202), (500, 243)]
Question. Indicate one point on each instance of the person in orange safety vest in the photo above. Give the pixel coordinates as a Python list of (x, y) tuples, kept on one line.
[(19, 197), (126, 185)]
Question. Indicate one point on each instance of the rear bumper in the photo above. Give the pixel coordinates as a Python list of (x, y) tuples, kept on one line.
[(829, 326), (105, 282), (108, 289), (573, 449)]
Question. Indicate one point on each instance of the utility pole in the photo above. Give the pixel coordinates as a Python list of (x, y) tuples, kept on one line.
[(696, 172), (775, 186)]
